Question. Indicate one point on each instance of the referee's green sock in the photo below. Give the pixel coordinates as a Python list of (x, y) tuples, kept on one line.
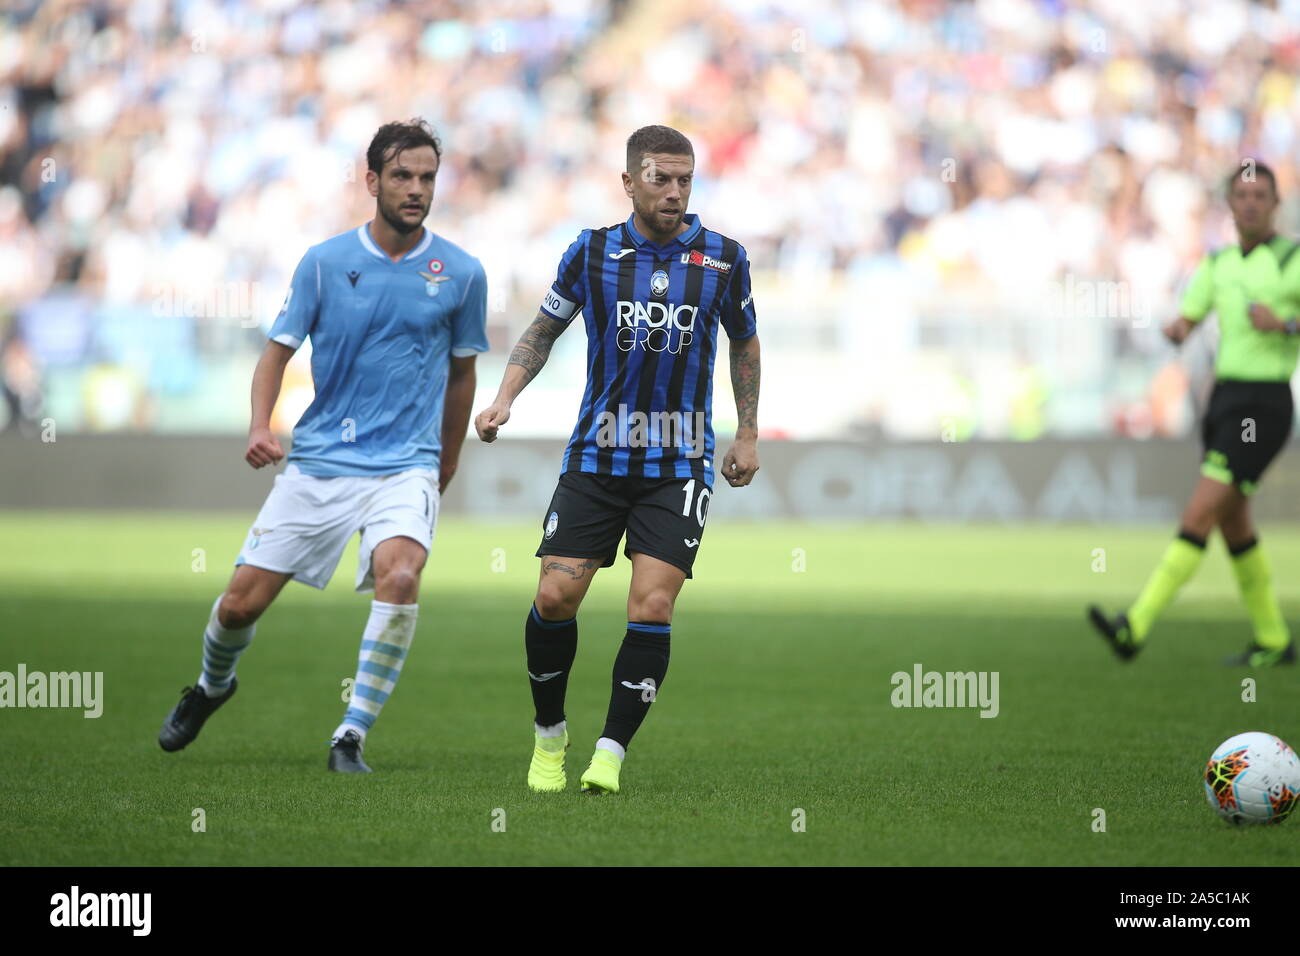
[(1177, 565), (1255, 580)]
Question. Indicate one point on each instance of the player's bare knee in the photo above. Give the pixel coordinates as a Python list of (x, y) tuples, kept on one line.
[(656, 606), (238, 610), (402, 583), (554, 603)]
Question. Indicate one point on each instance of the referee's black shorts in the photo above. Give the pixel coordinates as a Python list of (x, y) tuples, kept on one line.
[(1245, 427), (588, 514)]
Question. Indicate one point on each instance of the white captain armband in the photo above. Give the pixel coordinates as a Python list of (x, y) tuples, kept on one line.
[(558, 306)]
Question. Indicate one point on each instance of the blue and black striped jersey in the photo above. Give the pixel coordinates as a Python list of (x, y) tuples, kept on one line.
[(652, 314)]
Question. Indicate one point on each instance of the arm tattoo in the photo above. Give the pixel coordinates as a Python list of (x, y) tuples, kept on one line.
[(744, 382), (578, 573), (534, 346)]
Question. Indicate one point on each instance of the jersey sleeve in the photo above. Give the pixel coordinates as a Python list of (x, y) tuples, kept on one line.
[(738, 316), (1198, 297), (469, 328), (301, 306), (568, 293), (1288, 306)]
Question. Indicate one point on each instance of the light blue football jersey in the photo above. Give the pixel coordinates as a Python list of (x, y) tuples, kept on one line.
[(382, 336)]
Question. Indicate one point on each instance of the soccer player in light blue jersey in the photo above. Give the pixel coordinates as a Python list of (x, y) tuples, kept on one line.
[(395, 315)]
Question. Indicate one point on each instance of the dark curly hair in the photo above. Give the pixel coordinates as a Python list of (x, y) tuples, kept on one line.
[(392, 138)]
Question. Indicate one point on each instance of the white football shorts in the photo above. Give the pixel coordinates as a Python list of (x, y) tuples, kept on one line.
[(306, 522)]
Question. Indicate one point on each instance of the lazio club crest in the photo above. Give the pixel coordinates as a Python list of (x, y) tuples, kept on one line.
[(432, 282)]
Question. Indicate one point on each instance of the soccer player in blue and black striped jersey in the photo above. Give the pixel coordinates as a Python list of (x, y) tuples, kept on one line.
[(653, 291)]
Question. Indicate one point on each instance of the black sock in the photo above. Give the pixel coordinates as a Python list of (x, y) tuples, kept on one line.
[(639, 672), (551, 647)]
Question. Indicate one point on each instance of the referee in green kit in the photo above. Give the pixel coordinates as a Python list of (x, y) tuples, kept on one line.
[(1254, 288)]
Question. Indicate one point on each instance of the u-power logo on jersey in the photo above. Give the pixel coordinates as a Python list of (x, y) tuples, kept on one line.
[(655, 326), (697, 258)]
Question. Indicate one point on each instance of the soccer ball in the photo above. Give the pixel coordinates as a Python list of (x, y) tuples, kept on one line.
[(1253, 778)]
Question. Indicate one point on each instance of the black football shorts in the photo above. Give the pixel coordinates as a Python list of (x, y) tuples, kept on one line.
[(663, 517), (1245, 427)]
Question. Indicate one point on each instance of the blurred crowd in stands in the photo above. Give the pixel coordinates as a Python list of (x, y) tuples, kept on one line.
[(964, 214)]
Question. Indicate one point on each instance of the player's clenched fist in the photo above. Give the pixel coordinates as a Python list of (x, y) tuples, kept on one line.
[(740, 463), (490, 419), (263, 448)]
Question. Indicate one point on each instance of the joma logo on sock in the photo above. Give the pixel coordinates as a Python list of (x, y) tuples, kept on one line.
[(946, 689), (56, 689), (646, 687), (102, 909)]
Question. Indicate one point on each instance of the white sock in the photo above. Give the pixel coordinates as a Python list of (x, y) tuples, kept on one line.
[(555, 730), (613, 746), (343, 728)]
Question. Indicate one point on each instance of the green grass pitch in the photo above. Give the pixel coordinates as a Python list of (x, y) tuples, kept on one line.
[(777, 700)]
